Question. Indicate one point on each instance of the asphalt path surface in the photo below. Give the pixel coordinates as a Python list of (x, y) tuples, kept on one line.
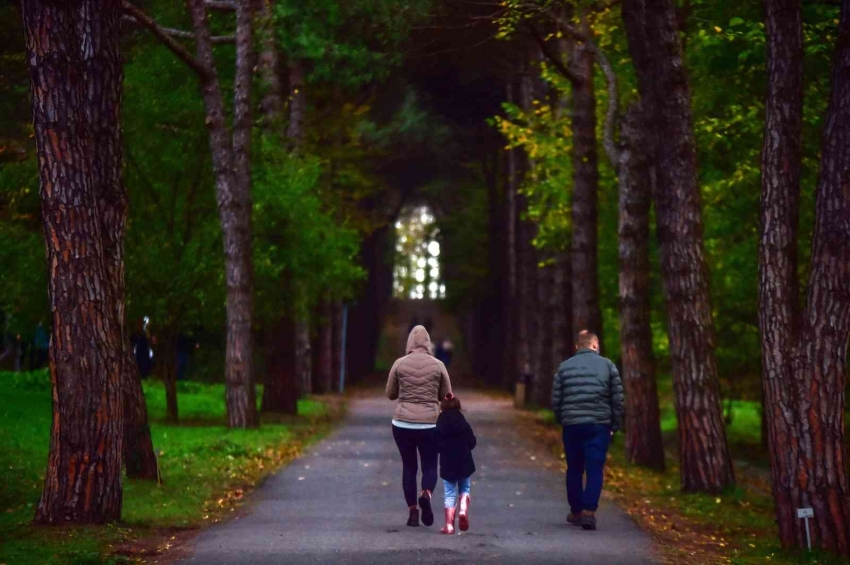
[(342, 503)]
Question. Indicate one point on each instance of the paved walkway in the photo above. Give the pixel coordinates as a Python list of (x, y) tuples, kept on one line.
[(342, 503)]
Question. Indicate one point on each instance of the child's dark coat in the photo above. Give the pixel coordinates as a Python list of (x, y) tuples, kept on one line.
[(455, 442)]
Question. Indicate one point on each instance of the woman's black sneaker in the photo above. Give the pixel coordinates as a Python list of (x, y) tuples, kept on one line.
[(413, 520), (427, 513)]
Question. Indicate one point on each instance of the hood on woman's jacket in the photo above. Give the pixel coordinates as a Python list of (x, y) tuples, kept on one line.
[(419, 341)]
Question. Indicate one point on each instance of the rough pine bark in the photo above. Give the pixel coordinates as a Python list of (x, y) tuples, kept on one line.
[(654, 44), (644, 444), (820, 357), (584, 243), (105, 119), (779, 307), (231, 166), (75, 72)]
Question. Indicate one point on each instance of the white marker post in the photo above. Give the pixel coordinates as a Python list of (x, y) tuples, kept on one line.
[(805, 514)]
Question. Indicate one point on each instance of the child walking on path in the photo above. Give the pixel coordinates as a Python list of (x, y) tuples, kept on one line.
[(455, 442)]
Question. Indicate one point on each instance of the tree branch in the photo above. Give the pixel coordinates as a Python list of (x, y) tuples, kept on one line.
[(167, 40), (179, 33), (220, 5), (551, 55), (612, 113)]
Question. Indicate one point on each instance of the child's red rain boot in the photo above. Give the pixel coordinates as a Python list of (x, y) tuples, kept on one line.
[(463, 519), (449, 528)]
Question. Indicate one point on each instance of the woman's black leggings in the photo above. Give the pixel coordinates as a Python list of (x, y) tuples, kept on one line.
[(408, 442)]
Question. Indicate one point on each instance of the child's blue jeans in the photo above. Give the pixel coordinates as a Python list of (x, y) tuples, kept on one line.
[(452, 490)]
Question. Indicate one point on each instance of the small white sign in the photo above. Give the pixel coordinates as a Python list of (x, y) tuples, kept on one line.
[(805, 513)]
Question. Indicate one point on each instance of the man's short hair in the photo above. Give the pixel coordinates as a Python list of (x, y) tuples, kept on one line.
[(585, 339)]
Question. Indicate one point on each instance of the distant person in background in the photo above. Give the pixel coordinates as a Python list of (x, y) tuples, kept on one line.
[(142, 350), (41, 346), (444, 352), (413, 323), (185, 345), (587, 399)]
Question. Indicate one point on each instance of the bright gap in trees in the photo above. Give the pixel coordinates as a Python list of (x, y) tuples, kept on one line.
[(417, 274)]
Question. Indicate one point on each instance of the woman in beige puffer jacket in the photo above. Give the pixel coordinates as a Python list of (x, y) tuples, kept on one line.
[(418, 381)]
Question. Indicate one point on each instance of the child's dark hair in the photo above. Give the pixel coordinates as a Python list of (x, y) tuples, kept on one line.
[(450, 402)]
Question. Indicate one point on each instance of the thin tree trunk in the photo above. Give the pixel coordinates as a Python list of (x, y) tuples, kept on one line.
[(561, 309), (656, 51), (584, 243), (280, 393), (324, 344), (166, 353), (297, 104), (271, 105), (231, 165), (644, 444), (820, 355), (75, 70), (509, 293), (336, 344)]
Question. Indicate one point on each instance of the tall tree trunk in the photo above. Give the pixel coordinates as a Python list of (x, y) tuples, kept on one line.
[(336, 344), (75, 70), (166, 352), (585, 280), (297, 103), (656, 51), (280, 393), (779, 306), (509, 292), (644, 444), (271, 104), (560, 304), (324, 344), (139, 458), (231, 166), (804, 389)]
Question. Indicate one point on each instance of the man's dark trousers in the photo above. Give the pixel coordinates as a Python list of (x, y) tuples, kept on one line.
[(585, 447)]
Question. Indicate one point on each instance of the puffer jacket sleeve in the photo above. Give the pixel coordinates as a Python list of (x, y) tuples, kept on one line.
[(392, 381), (445, 382), (557, 396), (616, 397)]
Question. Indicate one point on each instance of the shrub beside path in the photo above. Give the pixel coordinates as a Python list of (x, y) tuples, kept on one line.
[(342, 503)]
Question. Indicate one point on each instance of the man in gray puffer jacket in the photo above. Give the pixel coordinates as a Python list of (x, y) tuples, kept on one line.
[(587, 399)]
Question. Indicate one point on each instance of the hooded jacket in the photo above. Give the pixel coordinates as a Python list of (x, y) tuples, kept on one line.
[(455, 442), (418, 381)]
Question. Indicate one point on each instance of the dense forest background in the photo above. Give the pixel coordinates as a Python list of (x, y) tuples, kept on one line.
[(524, 127)]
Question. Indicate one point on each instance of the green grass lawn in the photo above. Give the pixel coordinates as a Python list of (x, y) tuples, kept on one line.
[(206, 470)]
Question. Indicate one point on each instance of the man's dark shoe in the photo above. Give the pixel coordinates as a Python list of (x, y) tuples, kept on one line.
[(588, 521), (425, 505), (573, 519), (413, 520)]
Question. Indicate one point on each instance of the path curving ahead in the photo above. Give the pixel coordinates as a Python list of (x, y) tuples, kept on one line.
[(342, 503)]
